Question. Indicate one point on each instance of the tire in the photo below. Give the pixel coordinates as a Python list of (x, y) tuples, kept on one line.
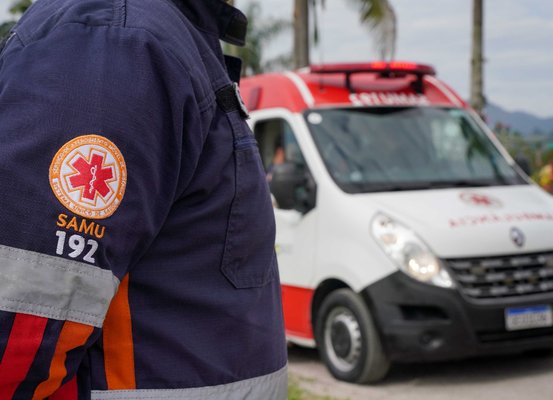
[(348, 341)]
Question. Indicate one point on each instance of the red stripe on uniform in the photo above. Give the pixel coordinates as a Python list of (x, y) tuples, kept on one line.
[(23, 344), (67, 391)]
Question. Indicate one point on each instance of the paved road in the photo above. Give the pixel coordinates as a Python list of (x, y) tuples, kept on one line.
[(522, 377)]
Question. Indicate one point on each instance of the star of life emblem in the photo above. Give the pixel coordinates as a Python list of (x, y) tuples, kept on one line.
[(480, 200), (88, 176)]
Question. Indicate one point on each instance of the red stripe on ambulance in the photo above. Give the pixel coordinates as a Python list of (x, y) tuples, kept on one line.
[(296, 303)]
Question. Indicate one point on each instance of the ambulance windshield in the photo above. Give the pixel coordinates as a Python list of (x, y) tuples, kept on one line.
[(407, 148)]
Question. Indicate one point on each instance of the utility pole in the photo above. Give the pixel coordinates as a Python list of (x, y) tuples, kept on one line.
[(301, 33), (477, 99)]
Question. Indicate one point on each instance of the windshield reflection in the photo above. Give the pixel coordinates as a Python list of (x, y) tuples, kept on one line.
[(408, 148)]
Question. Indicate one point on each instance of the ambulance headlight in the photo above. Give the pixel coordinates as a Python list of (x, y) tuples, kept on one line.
[(409, 252)]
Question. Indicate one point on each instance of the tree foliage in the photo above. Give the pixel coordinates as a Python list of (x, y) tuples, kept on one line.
[(20, 6), (260, 33), (536, 149), (377, 15), (17, 8), (5, 28)]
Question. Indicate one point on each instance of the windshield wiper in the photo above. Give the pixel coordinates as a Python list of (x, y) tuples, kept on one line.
[(386, 187), (366, 187), (461, 183)]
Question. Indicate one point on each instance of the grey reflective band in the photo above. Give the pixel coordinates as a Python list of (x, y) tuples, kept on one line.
[(267, 387), (53, 287)]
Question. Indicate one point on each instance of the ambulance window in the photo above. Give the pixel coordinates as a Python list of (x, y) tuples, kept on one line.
[(407, 148), (277, 143), (448, 140)]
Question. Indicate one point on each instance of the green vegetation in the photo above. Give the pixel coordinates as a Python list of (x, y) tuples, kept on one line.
[(295, 392), (377, 15), (18, 7), (536, 148), (260, 33)]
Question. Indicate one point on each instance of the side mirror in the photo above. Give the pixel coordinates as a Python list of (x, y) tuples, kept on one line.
[(293, 187)]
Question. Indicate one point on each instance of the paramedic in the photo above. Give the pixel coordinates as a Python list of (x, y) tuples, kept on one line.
[(137, 241)]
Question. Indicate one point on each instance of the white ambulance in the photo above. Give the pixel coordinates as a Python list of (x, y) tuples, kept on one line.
[(405, 232)]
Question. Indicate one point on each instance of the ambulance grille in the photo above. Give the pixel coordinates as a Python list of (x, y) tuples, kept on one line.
[(503, 277)]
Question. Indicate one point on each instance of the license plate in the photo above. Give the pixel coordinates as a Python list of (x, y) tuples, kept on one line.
[(528, 318)]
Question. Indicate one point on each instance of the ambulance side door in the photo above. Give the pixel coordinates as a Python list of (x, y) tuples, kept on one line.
[(296, 227)]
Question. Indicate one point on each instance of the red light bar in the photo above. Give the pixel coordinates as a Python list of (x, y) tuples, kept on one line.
[(376, 66), (385, 69)]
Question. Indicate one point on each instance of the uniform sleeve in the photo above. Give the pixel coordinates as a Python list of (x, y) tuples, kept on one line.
[(90, 163)]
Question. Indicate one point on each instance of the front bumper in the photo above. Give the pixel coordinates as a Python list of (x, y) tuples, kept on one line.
[(419, 322)]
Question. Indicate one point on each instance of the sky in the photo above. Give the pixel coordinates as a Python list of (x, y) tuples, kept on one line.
[(518, 44), (518, 74)]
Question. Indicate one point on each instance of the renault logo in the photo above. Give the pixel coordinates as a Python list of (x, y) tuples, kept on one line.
[(517, 237)]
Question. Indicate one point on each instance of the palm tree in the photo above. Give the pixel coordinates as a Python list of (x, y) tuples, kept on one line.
[(301, 32), (260, 33), (20, 6), (377, 15), (380, 17), (477, 99)]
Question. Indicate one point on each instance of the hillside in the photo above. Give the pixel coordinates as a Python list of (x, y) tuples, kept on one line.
[(522, 122)]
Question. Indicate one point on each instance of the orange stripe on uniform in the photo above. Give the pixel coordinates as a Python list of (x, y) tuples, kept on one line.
[(118, 341), (72, 335)]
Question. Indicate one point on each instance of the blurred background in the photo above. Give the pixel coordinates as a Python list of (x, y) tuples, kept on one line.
[(516, 84)]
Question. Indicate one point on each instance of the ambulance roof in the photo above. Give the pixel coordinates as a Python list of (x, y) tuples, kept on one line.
[(345, 85)]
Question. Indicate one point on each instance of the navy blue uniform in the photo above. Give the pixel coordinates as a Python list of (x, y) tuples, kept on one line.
[(137, 233)]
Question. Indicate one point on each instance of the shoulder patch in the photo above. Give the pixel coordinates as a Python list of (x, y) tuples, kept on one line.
[(88, 176)]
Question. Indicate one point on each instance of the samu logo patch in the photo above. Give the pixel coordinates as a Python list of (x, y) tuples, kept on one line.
[(88, 176)]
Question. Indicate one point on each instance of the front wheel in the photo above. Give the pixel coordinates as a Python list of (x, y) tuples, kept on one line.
[(348, 341)]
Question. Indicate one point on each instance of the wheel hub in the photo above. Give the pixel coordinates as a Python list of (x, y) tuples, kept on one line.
[(343, 340)]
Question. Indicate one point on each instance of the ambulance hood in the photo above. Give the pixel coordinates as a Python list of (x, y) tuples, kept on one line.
[(475, 222)]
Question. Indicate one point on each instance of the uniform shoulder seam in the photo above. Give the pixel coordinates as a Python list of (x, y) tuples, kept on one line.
[(120, 13), (206, 98)]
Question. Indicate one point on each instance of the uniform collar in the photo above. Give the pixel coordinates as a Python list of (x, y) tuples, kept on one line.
[(216, 17)]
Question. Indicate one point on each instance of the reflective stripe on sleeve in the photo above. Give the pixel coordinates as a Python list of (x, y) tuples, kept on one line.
[(53, 287), (267, 387)]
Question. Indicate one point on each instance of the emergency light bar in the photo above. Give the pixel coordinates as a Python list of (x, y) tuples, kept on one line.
[(385, 69)]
